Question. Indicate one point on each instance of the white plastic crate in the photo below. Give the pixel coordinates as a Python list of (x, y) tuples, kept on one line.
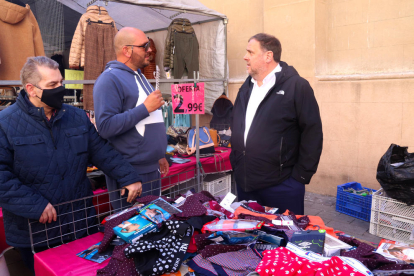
[(217, 184), (391, 219), (333, 246)]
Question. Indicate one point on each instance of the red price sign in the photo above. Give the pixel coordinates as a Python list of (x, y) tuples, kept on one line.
[(187, 99)]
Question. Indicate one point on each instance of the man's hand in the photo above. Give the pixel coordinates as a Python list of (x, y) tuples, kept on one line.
[(154, 101), (49, 214), (134, 190), (164, 166)]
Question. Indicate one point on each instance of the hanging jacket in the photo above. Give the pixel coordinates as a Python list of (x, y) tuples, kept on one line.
[(123, 119), (20, 38), (179, 25), (41, 164), (77, 49), (221, 110), (285, 138)]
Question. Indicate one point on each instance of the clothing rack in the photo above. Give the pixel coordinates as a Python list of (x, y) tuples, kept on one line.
[(89, 21), (94, 1)]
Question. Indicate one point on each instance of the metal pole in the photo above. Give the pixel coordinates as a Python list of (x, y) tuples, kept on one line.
[(197, 141), (226, 77), (198, 151)]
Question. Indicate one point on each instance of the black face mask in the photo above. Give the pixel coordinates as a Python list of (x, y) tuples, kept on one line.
[(53, 97)]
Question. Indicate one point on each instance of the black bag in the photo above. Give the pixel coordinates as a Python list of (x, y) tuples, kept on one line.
[(395, 173)]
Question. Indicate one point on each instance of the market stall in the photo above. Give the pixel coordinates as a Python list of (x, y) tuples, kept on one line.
[(247, 239)]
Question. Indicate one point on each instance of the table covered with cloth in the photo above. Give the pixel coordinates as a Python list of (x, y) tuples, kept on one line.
[(179, 173)]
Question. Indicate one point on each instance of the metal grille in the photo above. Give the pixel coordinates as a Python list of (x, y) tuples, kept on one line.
[(49, 15), (82, 217)]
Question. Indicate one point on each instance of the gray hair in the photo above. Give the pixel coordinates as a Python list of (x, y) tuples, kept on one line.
[(30, 72), (269, 43)]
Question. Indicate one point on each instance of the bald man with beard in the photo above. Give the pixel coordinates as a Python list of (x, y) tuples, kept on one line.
[(128, 113)]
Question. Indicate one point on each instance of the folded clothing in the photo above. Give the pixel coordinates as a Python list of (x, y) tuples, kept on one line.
[(109, 234), (163, 251), (149, 198), (215, 249), (366, 255), (215, 206), (119, 265), (282, 261), (239, 263), (193, 206)]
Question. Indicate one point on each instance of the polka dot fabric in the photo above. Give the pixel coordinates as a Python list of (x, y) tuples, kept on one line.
[(193, 206), (366, 255), (119, 265), (109, 234), (215, 249), (171, 249), (282, 261), (149, 198)]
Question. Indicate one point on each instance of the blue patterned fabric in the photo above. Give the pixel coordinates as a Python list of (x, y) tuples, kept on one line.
[(39, 164)]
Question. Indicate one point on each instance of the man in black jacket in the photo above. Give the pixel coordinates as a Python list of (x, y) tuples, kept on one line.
[(276, 130)]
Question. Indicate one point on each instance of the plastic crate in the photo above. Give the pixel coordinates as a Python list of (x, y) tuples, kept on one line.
[(391, 219), (217, 184), (352, 204), (333, 246)]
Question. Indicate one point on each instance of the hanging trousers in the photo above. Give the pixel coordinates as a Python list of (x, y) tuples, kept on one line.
[(99, 50), (185, 54)]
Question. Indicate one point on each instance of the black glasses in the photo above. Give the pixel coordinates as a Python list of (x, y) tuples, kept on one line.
[(146, 46)]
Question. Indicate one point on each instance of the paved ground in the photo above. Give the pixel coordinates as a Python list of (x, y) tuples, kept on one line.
[(315, 205), (324, 207)]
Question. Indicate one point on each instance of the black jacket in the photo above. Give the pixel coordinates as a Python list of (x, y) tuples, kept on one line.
[(285, 138), (221, 110)]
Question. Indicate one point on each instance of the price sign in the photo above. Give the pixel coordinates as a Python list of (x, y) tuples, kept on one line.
[(187, 99)]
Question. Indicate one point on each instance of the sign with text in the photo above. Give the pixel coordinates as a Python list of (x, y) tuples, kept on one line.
[(187, 99), (73, 75)]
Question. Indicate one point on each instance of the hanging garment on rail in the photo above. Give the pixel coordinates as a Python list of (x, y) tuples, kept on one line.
[(99, 50), (20, 38), (186, 53), (180, 25), (77, 49)]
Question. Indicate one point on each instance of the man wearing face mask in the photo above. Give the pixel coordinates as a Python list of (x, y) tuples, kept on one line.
[(45, 147), (127, 112)]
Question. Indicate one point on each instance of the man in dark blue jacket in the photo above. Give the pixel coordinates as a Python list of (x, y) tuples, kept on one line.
[(276, 130), (127, 111), (45, 148)]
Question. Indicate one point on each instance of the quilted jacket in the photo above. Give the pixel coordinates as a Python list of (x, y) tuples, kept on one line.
[(77, 49), (179, 25), (39, 165)]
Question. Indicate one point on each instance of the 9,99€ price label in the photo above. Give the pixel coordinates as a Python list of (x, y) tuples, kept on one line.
[(187, 99)]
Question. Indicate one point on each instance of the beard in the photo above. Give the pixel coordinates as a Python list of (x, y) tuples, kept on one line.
[(139, 61)]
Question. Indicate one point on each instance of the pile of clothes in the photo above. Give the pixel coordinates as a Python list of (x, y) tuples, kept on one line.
[(194, 234)]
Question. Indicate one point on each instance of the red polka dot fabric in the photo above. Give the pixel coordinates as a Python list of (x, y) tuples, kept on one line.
[(281, 261)]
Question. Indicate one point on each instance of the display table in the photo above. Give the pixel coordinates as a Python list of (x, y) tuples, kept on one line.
[(62, 260), (3, 244), (183, 172), (179, 173)]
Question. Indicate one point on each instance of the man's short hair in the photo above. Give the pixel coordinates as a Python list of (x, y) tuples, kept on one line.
[(269, 43), (30, 72)]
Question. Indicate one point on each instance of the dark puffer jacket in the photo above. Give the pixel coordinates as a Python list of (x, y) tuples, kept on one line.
[(41, 165), (285, 138)]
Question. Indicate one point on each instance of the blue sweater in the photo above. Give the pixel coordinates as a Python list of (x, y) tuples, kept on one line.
[(41, 164), (122, 118)]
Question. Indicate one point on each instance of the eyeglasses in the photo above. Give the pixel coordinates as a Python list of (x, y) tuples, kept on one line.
[(146, 46)]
